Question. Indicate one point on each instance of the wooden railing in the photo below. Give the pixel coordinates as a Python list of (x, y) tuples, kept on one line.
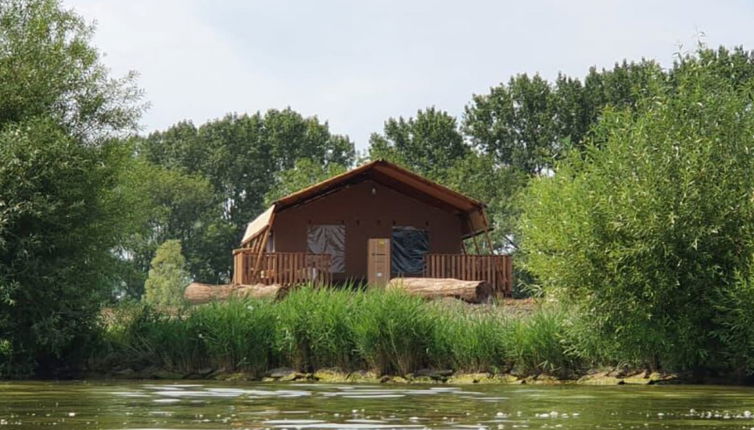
[(497, 270), (280, 268)]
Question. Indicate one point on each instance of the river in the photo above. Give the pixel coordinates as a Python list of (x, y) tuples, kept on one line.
[(223, 405)]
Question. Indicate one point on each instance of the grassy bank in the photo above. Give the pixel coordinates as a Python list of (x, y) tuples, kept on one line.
[(386, 333)]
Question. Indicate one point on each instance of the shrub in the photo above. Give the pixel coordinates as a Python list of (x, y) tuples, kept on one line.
[(645, 229), (142, 336), (167, 277)]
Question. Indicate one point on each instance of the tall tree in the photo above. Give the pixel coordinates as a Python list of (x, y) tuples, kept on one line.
[(427, 143), (49, 68), (516, 124), (166, 204), (240, 156), (530, 124), (60, 208)]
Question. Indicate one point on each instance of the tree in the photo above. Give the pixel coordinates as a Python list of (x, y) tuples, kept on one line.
[(480, 177), (60, 209), (530, 124), (303, 174), (59, 220), (516, 124), (239, 155), (167, 276), (426, 144), (49, 68), (164, 204), (653, 222)]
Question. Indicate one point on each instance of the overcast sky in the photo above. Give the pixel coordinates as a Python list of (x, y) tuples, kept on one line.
[(356, 63)]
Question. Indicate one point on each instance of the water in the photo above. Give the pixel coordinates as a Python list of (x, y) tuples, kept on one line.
[(209, 405)]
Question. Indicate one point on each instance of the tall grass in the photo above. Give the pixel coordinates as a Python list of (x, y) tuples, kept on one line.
[(393, 331), (313, 328)]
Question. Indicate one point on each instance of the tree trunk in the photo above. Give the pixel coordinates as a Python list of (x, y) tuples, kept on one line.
[(197, 293), (431, 288)]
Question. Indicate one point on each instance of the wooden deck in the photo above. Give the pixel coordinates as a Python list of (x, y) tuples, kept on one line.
[(280, 268), (497, 270), (295, 268)]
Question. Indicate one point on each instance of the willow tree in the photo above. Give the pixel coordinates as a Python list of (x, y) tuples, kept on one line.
[(647, 228), (60, 209)]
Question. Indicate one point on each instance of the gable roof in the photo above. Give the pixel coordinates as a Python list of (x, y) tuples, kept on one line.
[(389, 175)]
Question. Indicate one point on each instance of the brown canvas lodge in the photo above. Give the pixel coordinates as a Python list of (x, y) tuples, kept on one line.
[(370, 224)]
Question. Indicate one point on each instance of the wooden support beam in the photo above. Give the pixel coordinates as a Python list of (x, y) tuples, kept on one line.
[(263, 247), (489, 241), (476, 243)]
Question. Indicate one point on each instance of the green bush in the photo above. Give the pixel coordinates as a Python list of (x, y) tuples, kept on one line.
[(167, 277), (60, 212), (644, 230)]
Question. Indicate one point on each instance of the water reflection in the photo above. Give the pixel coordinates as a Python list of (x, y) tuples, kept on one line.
[(140, 405)]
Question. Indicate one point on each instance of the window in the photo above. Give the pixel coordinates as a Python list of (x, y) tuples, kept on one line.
[(328, 239), (408, 247)]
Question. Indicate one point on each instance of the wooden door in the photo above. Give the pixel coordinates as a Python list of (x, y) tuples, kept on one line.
[(378, 262)]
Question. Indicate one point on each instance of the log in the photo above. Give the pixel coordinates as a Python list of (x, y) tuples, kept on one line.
[(198, 293), (433, 288)]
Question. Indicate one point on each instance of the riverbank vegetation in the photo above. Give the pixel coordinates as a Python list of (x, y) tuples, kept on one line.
[(625, 196), (387, 332)]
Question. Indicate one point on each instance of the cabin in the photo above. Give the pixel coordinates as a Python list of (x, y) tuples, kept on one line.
[(370, 224)]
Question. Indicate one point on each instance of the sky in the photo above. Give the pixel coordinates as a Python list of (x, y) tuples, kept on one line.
[(355, 64)]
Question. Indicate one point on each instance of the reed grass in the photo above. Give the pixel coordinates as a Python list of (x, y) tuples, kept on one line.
[(314, 328)]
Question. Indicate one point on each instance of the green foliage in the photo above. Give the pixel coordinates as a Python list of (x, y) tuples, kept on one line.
[(529, 123), (480, 177), (304, 173), (516, 123), (392, 331), (58, 222), (48, 68), (60, 207), (238, 335), (734, 310), (167, 277), (426, 144), (643, 234), (315, 328), (165, 204), (386, 331), (539, 344), (137, 334), (240, 156), (467, 340)]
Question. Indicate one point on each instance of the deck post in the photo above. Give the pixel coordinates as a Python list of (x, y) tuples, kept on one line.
[(473, 237)]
